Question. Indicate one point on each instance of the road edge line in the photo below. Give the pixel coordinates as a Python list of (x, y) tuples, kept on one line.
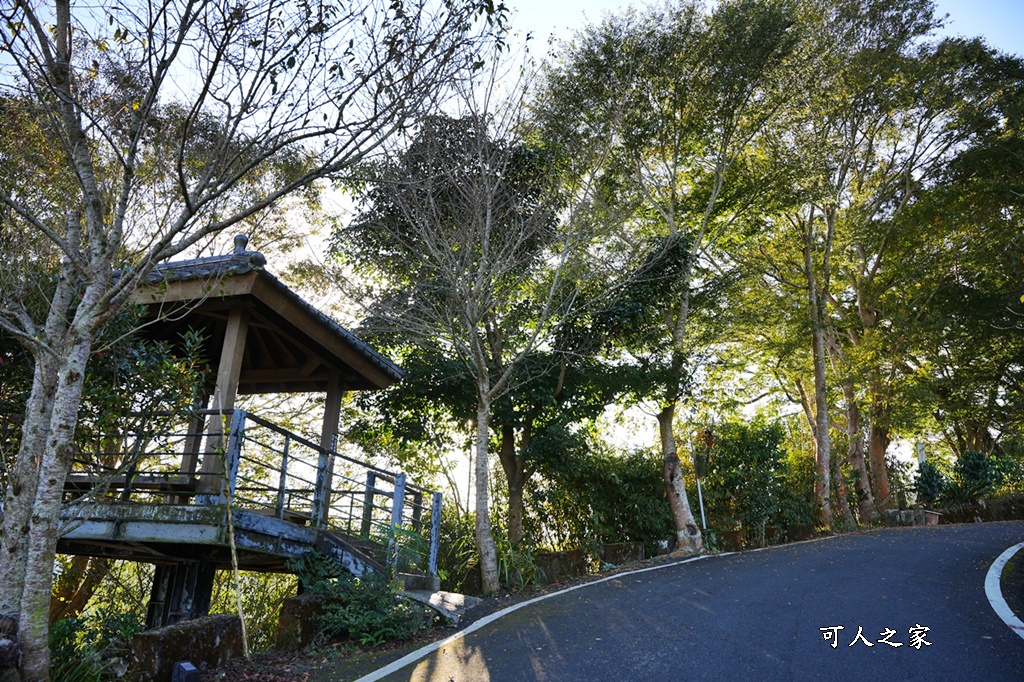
[(995, 594), (423, 651)]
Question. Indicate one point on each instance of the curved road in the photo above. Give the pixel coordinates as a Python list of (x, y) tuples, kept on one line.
[(758, 616)]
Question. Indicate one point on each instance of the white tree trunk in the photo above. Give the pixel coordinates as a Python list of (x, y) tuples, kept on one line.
[(688, 535), (44, 525), (485, 547)]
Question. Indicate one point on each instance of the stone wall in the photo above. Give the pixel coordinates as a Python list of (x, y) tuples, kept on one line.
[(206, 642), (297, 624)]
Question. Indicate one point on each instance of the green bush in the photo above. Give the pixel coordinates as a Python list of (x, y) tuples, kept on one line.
[(84, 649), (974, 468), (369, 610), (974, 477), (745, 483), (930, 484), (594, 496)]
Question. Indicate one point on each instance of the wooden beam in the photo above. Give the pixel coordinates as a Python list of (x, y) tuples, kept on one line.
[(193, 291), (329, 435), (224, 395)]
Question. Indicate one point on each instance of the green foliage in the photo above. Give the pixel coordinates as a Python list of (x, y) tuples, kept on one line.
[(593, 495), (517, 567), (369, 610), (901, 480), (262, 596), (976, 469), (1010, 471), (456, 557), (745, 484), (408, 548), (975, 475), (111, 627), (930, 484), (84, 649)]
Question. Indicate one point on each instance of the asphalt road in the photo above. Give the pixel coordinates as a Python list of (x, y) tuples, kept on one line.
[(758, 616)]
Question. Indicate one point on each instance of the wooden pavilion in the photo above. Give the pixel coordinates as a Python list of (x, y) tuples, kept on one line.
[(221, 501)]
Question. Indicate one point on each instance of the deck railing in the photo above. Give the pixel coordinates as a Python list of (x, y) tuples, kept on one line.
[(269, 470)]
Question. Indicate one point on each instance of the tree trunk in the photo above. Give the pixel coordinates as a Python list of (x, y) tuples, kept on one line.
[(822, 439), (45, 522), (21, 492), (485, 547), (842, 503), (878, 445), (688, 536), (77, 586), (513, 468), (855, 452)]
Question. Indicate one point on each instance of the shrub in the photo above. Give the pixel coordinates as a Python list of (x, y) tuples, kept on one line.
[(975, 469), (369, 610), (85, 649), (745, 479), (929, 484), (592, 496), (974, 477)]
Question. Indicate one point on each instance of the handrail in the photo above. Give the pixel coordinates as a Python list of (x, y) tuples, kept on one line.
[(263, 467)]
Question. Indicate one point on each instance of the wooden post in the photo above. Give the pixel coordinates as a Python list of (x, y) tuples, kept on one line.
[(371, 485), (231, 460), (321, 494), (435, 534), (224, 397), (194, 439), (417, 511), (397, 503), (329, 438), (282, 484)]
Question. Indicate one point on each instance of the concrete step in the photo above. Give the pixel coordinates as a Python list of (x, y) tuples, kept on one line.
[(451, 605)]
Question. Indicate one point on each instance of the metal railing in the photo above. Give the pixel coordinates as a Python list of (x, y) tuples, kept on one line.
[(261, 467)]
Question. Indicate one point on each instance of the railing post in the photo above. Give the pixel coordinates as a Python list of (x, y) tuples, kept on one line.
[(371, 485), (233, 453), (282, 485), (397, 503), (321, 495), (435, 534), (417, 512)]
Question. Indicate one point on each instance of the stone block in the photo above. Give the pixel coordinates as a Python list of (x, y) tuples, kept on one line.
[(207, 642), (622, 553), (298, 623), (420, 583), (732, 540), (800, 531), (552, 566)]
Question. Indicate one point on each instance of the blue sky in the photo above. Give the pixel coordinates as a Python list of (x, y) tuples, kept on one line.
[(1001, 22)]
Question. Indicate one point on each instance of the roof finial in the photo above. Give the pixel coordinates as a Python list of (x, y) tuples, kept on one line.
[(241, 241)]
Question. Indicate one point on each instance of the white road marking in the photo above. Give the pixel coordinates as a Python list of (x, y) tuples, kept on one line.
[(995, 594), (487, 620)]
